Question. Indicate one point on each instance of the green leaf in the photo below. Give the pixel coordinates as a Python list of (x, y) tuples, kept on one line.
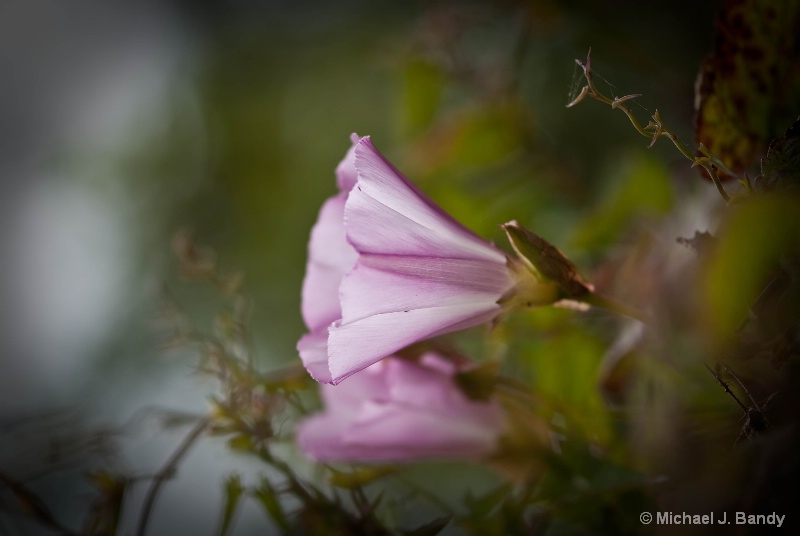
[(267, 496), (241, 442), (749, 249), (233, 494), (359, 477), (748, 86), (571, 390)]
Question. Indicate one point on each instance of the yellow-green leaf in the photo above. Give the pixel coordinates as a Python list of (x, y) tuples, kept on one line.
[(358, 477), (744, 260), (233, 494)]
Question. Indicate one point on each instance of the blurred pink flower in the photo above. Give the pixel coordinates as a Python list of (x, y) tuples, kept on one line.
[(388, 268), (401, 410)]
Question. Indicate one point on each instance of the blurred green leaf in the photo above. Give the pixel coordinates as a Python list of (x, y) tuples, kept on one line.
[(268, 497), (423, 83), (484, 505), (478, 383), (748, 252), (642, 189), (565, 371), (358, 477), (470, 137), (233, 494), (589, 494), (489, 134), (241, 442)]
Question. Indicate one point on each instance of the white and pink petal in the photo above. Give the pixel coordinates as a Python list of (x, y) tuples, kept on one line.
[(330, 256), (387, 214), (355, 346)]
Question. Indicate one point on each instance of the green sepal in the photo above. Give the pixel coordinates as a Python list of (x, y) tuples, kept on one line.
[(546, 262)]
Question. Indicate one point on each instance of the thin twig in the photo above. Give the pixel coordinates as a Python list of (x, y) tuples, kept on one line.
[(167, 472), (654, 129), (727, 388), (34, 506), (741, 384)]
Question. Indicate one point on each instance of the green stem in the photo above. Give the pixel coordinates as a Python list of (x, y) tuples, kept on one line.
[(610, 304), (654, 130)]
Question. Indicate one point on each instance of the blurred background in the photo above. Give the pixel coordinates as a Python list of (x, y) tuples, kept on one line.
[(124, 122)]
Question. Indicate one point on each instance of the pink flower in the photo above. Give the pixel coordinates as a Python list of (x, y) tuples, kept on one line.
[(330, 256), (388, 268), (401, 410)]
